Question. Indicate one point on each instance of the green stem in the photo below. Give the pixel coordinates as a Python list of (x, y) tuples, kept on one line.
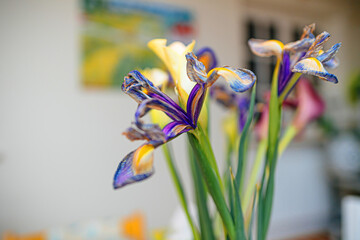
[(179, 188), (293, 80), (206, 227), (289, 135), (207, 149), (212, 183), (254, 175), (267, 185), (239, 178)]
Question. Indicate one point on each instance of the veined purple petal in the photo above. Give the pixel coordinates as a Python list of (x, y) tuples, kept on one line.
[(243, 106), (195, 102), (125, 173), (207, 57), (317, 44), (195, 69), (174, 129), (284, 73), (239, 79), (308, 31), (300, 45), (163, 106), (329, 54), (169, 101), (135, 83)]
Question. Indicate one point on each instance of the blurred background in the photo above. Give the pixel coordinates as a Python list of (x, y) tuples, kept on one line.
[(62, 112)]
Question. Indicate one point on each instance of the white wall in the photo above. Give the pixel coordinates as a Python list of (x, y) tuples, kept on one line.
[(60, 144)]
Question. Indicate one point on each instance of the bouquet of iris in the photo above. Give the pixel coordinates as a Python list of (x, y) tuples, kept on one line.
[(243, 202)]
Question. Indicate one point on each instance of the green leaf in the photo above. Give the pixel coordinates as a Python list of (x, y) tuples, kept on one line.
[(260, 217), (213, 184), (243, 140), (237, 211), (179, 187), (266, 195), (252, 217), (206, 227)]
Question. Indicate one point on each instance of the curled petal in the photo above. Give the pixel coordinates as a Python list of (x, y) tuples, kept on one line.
[(174, 129), (239, 79), (317, 44), (300, 45), (207, 57), (195, 102), (158, 104), (314, 67), (136, 166), (308, 31), (196, 70), (136, 94), (140, 88), (134, 134), (329, 54), (266, 48)]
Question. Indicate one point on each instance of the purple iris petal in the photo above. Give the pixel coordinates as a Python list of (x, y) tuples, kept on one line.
[(154, 92), (207, 57), (153, 103), (174, 129), (243, 106), (284, 73), (125, 174), (195, 103)]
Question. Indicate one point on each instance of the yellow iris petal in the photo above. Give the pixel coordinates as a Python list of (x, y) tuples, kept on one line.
[(157, 76), (173, 57), (159, 117), (143, 159)]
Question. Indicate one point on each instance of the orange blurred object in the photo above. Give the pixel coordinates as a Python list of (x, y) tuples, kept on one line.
[(133, 227), (32, 236)]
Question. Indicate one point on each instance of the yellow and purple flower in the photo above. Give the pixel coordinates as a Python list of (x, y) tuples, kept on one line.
[(304, 56), (138, 164)]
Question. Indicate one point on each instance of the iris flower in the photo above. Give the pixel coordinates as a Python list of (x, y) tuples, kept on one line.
[(138, 164), (304, 56), (173, 56), (163, 81)]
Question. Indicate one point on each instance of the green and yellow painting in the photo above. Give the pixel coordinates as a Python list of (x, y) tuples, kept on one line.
[(115, 34)]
